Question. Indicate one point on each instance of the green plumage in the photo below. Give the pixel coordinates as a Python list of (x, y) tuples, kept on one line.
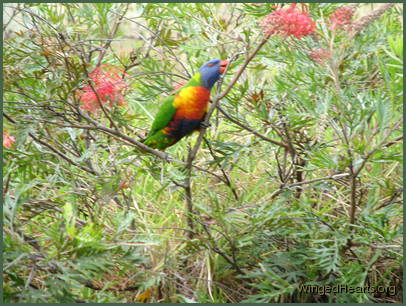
[(156, 138)]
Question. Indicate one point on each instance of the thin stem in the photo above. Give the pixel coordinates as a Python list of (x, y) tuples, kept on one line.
[(112, 34), (246, 127), (227, 179), (57, 152)]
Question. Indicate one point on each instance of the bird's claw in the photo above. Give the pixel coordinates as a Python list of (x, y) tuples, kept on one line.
[(166, 158), (204, 125)]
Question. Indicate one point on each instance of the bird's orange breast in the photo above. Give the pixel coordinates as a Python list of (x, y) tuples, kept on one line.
[(191, 102)]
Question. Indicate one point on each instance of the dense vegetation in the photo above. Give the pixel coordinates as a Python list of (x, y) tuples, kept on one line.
[(297, 182)]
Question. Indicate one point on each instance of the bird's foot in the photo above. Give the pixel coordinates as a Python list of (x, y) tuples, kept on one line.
[(204, 125), (166, 158)]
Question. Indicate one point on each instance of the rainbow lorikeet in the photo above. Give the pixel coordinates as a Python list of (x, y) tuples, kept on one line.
[(183, 112)]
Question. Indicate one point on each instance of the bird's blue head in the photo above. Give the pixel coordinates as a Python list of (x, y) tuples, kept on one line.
[(210, 72)]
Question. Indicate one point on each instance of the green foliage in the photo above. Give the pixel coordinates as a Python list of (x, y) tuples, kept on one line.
[(297, 185)]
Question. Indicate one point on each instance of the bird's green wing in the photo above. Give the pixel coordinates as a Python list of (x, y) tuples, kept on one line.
[(164, 115)]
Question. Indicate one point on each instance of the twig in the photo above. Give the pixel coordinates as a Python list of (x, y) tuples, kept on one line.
[(382, 143), (227, 180), (13, 15), (120, 136), (299, 184), (245, 127), (331, 177), (112, 34), (140, 145), (353, 202), (220, 252), (394, 141), (355, 172), (60, 154)]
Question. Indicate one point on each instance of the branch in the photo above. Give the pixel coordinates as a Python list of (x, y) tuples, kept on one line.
[(355, 173), (60, 154), (299, 184), (112, 34), (13, 15), (353, 198), (215, 249), (243, 67), (118, 135), (227, 180), (249, 129), (140, 145), (379, 145)]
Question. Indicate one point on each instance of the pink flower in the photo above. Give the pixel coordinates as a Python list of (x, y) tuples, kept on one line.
[(8, 140), (286, 22), (320, 55), (341, 17), (109, 85)]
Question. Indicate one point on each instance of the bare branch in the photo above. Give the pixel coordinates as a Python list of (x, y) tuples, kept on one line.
[(246, 127), (382, 143), (112, 34)]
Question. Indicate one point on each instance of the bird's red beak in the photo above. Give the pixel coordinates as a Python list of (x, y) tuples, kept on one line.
[(223, 65)]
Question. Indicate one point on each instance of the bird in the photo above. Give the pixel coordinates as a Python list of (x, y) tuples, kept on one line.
[(183, 112)]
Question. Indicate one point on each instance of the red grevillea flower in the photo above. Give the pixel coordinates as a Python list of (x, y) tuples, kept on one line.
[(320, 55), (8, 140), (341, 17), (109, 85), (288, 21)]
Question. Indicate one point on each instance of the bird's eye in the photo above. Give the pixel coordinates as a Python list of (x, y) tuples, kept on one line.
[(210, 65)]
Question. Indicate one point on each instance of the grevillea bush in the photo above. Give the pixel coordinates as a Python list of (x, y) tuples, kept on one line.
[(292, 194)]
